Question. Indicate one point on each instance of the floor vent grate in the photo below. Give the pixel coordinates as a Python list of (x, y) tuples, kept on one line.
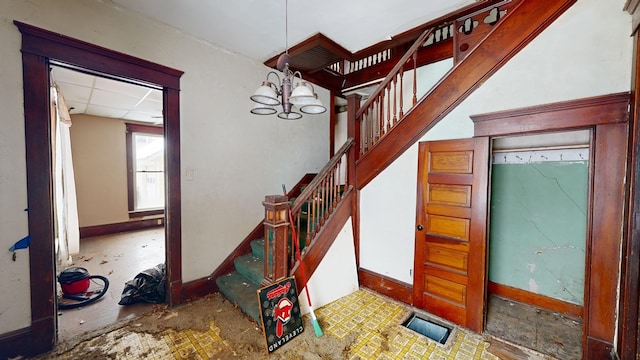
[(433, 331)]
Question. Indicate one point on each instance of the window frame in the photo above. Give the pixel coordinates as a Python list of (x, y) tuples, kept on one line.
[(144, 129)]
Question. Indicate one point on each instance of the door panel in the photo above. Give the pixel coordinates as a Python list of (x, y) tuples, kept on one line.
[(450, 260)]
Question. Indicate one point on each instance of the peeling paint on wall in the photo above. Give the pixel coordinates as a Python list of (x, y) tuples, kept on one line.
[(538, 222)]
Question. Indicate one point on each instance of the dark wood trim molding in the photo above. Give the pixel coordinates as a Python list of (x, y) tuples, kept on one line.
[(392, 288), (353, 131), (607, 216), (133, 225), (596, 349), (40, 205), (130, 129), (96, 59), (39, 49), (537, 300), (243, 248), (296, 190), (133, 215), (173, 195), (198, 288), (599, 110), (147, 129), (427, 55), (628, 340), (607, 117), (509, 36), (14, 343)]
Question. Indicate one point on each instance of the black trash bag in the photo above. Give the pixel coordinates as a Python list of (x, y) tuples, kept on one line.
[(148, 287)]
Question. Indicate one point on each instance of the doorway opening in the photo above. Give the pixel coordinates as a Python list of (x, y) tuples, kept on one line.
[(40, 48), (119, 213), (538, 240)]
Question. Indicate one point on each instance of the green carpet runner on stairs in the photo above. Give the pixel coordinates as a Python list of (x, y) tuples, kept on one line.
[(241, 286)]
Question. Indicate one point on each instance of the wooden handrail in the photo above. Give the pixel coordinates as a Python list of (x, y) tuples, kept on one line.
[(396, 69), (308, 191)]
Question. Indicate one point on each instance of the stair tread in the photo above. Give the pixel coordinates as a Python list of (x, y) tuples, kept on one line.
[(241, 292), (251, 267), (257, 248)]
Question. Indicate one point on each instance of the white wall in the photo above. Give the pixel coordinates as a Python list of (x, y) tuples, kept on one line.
[(586, 52), (336, 276), (237, 158)]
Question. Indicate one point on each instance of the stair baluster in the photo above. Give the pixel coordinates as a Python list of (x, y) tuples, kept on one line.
[(371, 114)]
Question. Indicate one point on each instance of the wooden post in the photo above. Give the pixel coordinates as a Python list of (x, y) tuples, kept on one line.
[(353, 131), (276, 227)]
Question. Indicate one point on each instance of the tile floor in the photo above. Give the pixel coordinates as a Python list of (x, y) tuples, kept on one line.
[(370, 321), (380, 337)]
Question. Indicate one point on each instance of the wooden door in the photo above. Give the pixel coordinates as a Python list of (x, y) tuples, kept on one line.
[(451, 221)]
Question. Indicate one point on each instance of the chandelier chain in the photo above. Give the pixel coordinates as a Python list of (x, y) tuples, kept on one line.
[(286, 26)]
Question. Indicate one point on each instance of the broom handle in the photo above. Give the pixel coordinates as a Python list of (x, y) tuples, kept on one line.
[(297, 246)]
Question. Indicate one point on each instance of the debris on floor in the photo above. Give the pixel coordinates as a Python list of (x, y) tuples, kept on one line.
[(362, 325)]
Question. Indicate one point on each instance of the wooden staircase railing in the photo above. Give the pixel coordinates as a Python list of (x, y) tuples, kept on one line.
[(482, 57), (385, 106), (310, 211)]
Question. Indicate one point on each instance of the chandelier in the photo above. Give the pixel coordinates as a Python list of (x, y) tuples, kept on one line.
[(282, 91)]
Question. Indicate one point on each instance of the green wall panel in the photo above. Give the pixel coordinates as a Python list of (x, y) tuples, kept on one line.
[(538, 227)]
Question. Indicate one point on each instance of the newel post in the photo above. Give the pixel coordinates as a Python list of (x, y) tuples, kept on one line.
[(276, 226)]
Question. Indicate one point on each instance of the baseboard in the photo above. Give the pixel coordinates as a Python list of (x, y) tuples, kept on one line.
[(199, 288), (16, 344), (537, 300), (107, 229), (598, 349), (392, 288)]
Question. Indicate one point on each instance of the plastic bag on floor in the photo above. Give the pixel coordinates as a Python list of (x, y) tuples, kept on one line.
[(148, 287)]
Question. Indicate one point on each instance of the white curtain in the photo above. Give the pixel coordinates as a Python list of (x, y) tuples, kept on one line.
[(66, 207)]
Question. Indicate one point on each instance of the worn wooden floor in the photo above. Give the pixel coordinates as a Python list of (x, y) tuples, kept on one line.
[(119, 257), (534, 328)]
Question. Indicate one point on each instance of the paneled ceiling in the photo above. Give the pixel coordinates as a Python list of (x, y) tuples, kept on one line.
[(98, 96), (258, 29)]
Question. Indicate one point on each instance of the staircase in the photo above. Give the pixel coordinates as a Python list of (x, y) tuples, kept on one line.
[(241, 285), (314, 203), (379, 137)]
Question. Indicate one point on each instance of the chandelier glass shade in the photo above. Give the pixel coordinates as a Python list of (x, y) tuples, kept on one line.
[(281, 92)]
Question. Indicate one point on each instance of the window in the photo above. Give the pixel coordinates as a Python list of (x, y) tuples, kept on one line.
[(145, 169)]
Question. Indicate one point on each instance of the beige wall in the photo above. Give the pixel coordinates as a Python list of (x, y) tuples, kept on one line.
[(236, 158), (100, 164)]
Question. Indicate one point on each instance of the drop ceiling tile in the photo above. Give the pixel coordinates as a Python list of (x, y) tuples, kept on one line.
[(68, 76), (135, 91), (76, 107), (113, 99), (155, 95), (103, 111), (150, 106), (142, 116), (74, 92)]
